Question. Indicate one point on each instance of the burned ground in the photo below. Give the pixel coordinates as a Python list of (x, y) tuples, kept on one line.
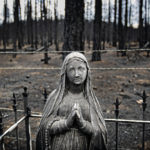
[(107, 84)]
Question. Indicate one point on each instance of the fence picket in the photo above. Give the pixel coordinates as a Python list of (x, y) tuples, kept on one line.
[(117, 103), (16, 118), (27, 123), (1, 130), (144, 105)]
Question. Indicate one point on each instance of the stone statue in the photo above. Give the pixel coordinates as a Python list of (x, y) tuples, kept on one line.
[(72, 118)]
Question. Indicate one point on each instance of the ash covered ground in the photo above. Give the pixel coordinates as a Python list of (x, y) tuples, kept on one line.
[(107, 84)]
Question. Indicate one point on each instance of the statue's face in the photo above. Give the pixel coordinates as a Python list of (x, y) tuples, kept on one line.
[(76, 72)]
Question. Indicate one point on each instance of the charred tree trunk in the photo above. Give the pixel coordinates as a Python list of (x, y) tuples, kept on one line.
[(96, 56), (146, 23), (41, 23), (0, 35), (74, 26), (21, 38), (141, 41), (87, 25), (109, 23), (115, 25), (104, 34), (126, 26), (36, 31), (148, 52), (149, 21), (30, 23), (45, 24), (90, 25), (120, 28), (20, 33), (5, 26), (130, 23), (126, 17), (130, 14), (56, 27), (50, 39), (16, 24)]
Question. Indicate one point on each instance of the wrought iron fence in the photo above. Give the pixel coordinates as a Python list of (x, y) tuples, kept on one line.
[(28, 114)]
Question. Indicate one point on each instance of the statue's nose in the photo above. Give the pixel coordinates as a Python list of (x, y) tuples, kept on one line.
[(76, 73)]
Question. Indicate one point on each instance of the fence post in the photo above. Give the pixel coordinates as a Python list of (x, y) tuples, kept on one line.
[(46, 58), (16, 118), (117, 103), (1, 130), (45, 95), (144, 105), (27, 123)]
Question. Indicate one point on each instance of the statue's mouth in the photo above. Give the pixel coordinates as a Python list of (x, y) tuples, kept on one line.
[(77, 79)]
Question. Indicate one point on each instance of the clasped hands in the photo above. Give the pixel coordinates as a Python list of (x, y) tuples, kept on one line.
[(75, 116)]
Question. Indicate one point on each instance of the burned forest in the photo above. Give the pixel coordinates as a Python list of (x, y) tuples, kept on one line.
[(35, 38)]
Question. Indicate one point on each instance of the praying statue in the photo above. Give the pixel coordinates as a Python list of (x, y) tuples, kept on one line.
[(72, 117)]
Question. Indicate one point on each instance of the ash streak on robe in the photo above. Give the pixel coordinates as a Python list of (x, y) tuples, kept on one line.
[(55, 134)]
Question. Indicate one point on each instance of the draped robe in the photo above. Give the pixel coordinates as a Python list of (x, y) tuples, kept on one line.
[(93, 137)]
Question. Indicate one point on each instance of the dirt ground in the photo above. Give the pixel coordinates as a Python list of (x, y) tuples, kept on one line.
[(107, 84)]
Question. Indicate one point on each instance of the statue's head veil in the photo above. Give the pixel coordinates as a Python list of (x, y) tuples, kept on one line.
[(60, 91), (56, 97)]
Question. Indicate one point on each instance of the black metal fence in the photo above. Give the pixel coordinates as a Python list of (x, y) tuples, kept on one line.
[(28, 114)]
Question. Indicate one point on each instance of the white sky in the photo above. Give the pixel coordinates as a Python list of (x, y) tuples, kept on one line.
[(61, 8)]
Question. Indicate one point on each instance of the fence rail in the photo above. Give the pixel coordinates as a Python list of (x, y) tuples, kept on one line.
[(51, 68), (9, 109), (45, 50), (13, 127), (110, 120), (28, 114), (81, 51)]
